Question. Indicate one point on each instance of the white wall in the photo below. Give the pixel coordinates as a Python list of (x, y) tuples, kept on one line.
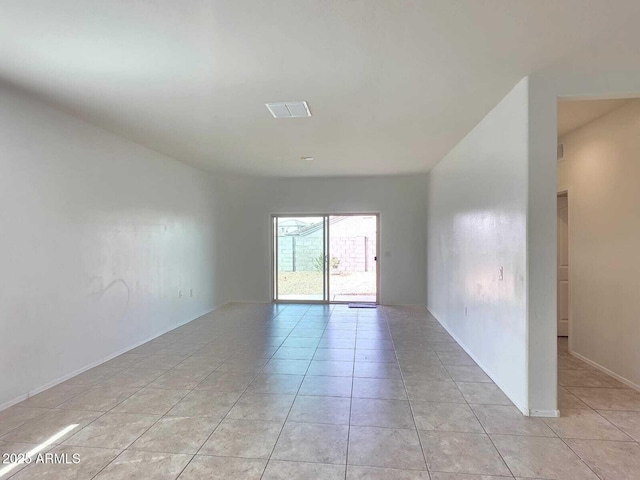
[(474, 184), (542, 271), (477, 223), (544, 91), (399, 200), (99, 235), (601, 170)]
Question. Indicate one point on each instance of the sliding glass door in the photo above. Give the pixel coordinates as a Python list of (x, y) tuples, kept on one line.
[(325, 258)]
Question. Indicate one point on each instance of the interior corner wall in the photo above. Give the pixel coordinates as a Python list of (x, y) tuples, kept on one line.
[(542, 251), (477, 224), (399, 200), (473, 185), (104, 244), (601, 171), (544, 91)]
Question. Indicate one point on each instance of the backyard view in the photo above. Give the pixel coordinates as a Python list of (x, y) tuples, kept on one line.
[(301, 258), (344, 286)]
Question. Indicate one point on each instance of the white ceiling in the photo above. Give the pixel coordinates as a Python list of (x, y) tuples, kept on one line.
[(573, 114), (393, 85)]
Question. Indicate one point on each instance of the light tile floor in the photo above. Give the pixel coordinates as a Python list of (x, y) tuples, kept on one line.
[(320, 392)]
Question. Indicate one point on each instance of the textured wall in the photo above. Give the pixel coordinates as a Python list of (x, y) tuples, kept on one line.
[(476, 224), (601, 168), (399, 200), (104, 244)]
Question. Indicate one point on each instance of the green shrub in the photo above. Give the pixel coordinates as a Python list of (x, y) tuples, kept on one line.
[(318, 263)]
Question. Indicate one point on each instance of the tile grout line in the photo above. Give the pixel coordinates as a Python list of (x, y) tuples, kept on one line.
[(576, 453), (221, 420), (247, 388), (395, 352), (102, 414), (161, 416), (193, 389), (243, 339), (294, 399), (469, 406), (580, 458), (234, 404), (353, 371), (165, 414), (504, 462)]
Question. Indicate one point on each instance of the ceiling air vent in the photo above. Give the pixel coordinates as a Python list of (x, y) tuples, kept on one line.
[(289, 109), (560, 151)]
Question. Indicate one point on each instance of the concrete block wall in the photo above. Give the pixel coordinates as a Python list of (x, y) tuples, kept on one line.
[(299, 253), (356, 254)]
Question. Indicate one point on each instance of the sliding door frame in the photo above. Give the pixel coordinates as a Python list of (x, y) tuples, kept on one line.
[(274, 256), (327, 251)]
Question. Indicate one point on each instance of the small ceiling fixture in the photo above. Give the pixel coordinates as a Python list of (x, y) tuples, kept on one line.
[(307, 159), (289, 109)]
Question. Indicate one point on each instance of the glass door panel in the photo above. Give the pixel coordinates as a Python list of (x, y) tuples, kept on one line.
[(352, 265), (300, 269)]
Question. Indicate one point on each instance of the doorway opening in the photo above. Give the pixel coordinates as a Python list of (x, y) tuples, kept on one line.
[(597, 261), (326, 258)]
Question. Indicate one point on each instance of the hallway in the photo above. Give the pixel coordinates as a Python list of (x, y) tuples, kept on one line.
[(256, 391)]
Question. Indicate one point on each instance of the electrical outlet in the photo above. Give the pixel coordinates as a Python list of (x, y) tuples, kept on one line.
[(465, 311), (180, 294), (191, 292), (501, 276)]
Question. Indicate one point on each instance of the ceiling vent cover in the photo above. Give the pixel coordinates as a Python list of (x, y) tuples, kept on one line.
[(289, 109)]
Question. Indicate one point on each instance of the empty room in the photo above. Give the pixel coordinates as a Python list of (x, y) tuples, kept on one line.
[(319, 239)]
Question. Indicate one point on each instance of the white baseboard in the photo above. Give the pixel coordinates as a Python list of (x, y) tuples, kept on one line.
[(66, 377), (620, 378), (545, 413), (525, 410)]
